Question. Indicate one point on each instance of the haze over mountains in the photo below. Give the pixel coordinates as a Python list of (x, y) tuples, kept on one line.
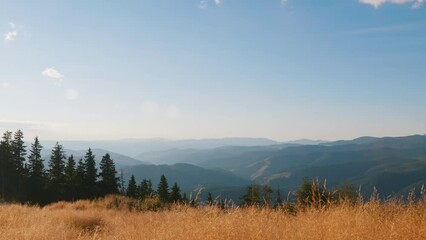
[(393, 165)]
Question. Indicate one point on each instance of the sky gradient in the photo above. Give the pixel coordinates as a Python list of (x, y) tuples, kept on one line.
[(332, 69)]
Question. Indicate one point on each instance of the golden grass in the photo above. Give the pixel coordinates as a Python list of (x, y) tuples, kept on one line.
[(96, 220)]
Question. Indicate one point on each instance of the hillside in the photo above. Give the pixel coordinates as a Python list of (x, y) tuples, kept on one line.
[(119, 159), (392, 164), (189, 177)]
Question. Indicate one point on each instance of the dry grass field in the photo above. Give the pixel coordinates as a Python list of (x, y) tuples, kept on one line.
[(97, 220)]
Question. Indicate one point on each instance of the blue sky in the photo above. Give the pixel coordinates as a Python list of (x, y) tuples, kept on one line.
[(329, 69)]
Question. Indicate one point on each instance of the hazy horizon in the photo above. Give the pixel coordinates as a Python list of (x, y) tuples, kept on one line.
[(279, 69)]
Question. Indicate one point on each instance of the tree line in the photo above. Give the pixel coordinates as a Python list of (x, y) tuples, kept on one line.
[(24, 176)]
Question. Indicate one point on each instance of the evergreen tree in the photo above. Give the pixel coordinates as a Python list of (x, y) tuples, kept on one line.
[(90, 175), (132, 188), (56, 172), (109, 181), (79, 180), (184, 198), (252, 195), (278, 201), (267, 195), (70, 174), (18, 174), (122, 183), (6, 166), (36, 173), (209, 199), (175, 195), (150, 189), (145, 189), (163, 189), (18, 151)]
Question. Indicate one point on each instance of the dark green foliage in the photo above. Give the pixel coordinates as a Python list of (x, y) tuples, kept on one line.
[(80, 173), (278, 200), (70, 175), (311, 193), (90, 175), (185, 198), (6, 167), (18, 151), (163, 190), (145, 189), (175, 195), (18, 159), (209, 199), (29, 181), (252, 196), (56, 174), (36, 172), (122, 183), (109, 181), (267, 195), (132, 189), (257, 195)]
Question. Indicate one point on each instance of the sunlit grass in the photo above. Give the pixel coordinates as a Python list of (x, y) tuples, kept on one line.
[(103, 220)]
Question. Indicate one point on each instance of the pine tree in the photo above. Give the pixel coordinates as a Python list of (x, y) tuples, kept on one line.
[(109, 181), (36, 173), (184, 198), (145, 189), (122, 183), (132, 188), (278, 201), (163, 189), (18, 159), (90, 176), (70, 178), (209, 199), (79, 180), (267, 195), (18, 151), (252, 195), (175, 195), (56, 172), (6, 167)]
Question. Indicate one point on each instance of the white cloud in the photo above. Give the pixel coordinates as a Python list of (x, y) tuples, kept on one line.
[(10, 35), (217, 2), (4, 85), (377, 3), (284, 2), (418, 4), (54, 74), (203, 4), (71, 94)]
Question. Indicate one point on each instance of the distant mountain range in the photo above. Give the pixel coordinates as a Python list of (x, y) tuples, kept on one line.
[(133, 147), (226, 166), (392, 165), (121, 161)]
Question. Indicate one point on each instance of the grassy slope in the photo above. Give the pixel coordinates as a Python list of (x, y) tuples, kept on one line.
[(92, 220)]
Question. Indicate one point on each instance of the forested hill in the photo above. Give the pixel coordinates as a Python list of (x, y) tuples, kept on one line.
[(391, 164), (394, 165)]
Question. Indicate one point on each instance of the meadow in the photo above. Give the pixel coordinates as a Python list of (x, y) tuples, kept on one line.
[(112, 218)]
